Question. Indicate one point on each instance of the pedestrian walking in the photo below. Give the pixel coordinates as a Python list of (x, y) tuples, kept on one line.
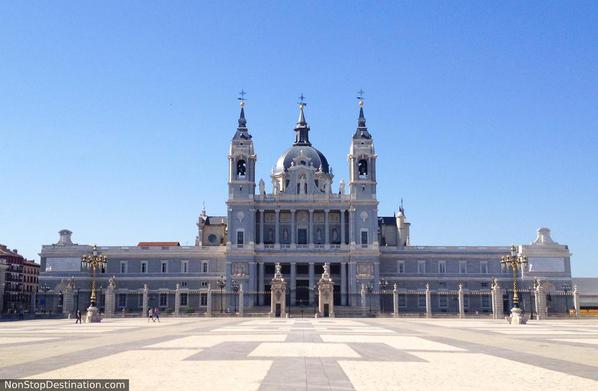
[(150, 315), (157, 314), (78, 317)]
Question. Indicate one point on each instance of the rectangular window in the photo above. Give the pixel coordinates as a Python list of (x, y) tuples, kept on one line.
[(164, 267), (122, 300), (240, 238), (401, 266), (442, 267), (421, 267), (442, 301), (163, 299), (465, 301), (184, 266), (143, 267), (421, 301), (204, 267), (364, 239), (203, 299), (462, 267), (204, 284), (485, 301), (123, 267), (484, 267), (402, 300), (140, 300), (183, 299)]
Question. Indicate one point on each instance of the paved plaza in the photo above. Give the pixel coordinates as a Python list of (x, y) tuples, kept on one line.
[(308, 354)]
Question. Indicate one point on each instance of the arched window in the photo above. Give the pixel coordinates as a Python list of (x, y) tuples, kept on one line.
[(362, 168), (241, 167)]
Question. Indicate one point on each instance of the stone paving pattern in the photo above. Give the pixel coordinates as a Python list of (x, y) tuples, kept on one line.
[(308, 354)]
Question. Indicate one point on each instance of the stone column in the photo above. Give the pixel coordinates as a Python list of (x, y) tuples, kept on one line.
[(252, 284), (497, 302), (342, 227), (461, 302), (363, 300), (209, 303), (261, 285), (311, 228), (262, 226), (311, 282), (293, 233), (145, 300), (343, 283), (540, 302), (428, 301), (241, 303), (277, 229), (109, 302), (326, 229), (67, 300), (352, 284), (326, 294), (293, 283), (576, 301), (177, 300), (395, 301), (351, 227)]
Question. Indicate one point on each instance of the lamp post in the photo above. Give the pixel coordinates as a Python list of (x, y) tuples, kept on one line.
[(514, 262), (235, 286), (221, 283), (95, 261)]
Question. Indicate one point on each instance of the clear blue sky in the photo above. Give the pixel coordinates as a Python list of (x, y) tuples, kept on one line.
[(116, 117)]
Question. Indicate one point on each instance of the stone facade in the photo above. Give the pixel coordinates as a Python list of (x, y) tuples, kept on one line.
[(302, 222)]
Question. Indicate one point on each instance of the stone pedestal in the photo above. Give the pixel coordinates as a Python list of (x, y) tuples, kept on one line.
[(540, 301), (145, 300), (109, 302), (67, 301), (177, 301), (364, 309), (93, 315), (516, 317), (241, 303), (278, 295), (497, 302), (395, 301), (209, 303), (461, 302), (428, 301), (326, 294), (576, 301)]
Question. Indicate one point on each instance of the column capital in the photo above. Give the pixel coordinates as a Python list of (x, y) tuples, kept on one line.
[(277, 210), (311, 211), (261, 210), (293, 211)]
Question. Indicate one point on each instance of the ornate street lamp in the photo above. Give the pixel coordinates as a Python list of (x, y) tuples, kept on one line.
[(221, 283), (515, 262), (95, 261)]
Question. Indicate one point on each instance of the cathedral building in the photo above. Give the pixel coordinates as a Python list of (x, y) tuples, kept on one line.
[(303, 220)]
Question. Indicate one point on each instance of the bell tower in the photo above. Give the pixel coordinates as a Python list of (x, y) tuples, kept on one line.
[(362, 161), (241, 161), (241, 186), (362, 186)]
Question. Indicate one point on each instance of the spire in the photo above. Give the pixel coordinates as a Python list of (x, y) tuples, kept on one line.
[(242, 131), (302, 129), (362, 130)]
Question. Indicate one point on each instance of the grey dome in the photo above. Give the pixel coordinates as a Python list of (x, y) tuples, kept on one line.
[(312, 155)]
